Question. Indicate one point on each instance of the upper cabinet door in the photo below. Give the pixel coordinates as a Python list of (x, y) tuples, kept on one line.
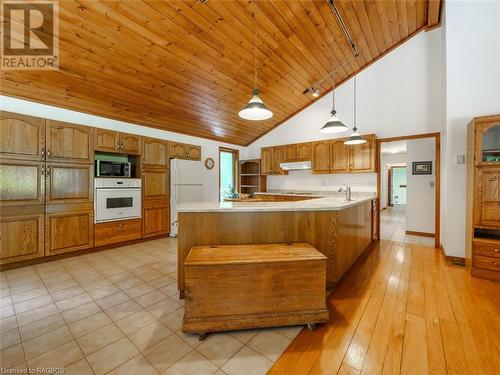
[(69, 183), (178, 150), (488, 143), (106, 140), (155, 153), (290, 153), (193, 152), (130, 144), (362, 157), (265, 162), (339, 153), (320, 157), (21, 182), (69, 142), (21, 137), (303, 152), (277, 158)]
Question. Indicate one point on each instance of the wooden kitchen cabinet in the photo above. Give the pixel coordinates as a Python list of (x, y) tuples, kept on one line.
[(297, 152), (130, 144), (21, 137), (155, 217), (155, 153), (362, 157), (69, 183), (69, 143), (117, 231), (320, 162), (22, 182), (266, 155), (339, 156), (488, 197), (155, 184), (180, 150), (69, 228), (106, 140), (113, 141), (277, 159), (22, 235)]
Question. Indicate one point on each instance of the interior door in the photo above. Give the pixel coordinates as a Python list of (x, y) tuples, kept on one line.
[(21, 137)]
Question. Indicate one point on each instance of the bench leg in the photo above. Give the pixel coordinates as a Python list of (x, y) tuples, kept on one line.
[(202, 336), (311, 326)]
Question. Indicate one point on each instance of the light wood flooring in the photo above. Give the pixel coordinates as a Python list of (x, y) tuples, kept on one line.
[(403, 310)]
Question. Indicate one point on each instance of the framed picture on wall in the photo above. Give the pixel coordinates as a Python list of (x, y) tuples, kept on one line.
[(422, 167)]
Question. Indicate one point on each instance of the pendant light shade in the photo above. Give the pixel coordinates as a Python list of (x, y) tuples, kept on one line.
[(355, 138), (333, 125), (255, 109)]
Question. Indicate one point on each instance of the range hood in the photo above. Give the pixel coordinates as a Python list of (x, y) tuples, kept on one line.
[(297, 165)]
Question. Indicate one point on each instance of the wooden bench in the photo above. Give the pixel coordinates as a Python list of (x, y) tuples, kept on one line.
[(251, 286)]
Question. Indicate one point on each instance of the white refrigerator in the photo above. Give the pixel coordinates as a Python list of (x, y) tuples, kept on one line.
[(186, 185)]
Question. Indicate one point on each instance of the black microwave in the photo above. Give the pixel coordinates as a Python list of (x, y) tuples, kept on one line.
[(112, 169)]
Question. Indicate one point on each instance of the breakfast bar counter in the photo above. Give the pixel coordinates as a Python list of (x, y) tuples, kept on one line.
[(340, 230)]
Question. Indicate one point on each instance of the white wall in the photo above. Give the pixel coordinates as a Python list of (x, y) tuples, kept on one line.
[(385, 161), (401, 94), (420, 192), (208, 148), (472, 89)]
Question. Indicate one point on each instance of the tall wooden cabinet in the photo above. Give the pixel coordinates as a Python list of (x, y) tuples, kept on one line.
[(483, 196), (155, 188)]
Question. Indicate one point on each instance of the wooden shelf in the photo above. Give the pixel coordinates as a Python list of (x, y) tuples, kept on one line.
[(249, 174), (251, 180), (250, 186)]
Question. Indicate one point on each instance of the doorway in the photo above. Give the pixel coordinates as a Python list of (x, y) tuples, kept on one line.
[(228, 173), (408, 182)]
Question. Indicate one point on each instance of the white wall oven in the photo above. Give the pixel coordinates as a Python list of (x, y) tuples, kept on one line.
[(117, 199)]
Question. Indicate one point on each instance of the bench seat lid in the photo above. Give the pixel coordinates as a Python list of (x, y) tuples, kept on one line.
[(254, 253)]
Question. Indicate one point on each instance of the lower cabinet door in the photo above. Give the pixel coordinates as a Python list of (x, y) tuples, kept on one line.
[(21, 237), (69, 230), (155, 218)]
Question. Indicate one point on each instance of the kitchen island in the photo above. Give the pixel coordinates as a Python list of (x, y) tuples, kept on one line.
[(340, 230)]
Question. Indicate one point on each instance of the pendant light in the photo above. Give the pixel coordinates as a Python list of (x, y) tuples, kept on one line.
[(333, 125), (355, 138), (255, 110)]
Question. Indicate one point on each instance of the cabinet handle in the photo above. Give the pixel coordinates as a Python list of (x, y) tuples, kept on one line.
[(43, 152), (48, 170), (496, 250), (494, 263), (143, 162), (43, 171), (48, 153)]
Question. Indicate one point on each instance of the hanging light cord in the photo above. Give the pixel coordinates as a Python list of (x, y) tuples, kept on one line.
[(255, 45), (333, 83), (355, 103)]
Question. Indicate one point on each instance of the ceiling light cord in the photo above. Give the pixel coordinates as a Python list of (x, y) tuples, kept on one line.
[(355, 101), (255, 62)]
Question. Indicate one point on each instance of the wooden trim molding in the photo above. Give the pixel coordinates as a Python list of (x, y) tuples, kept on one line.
[(423, 234), (453, 259)]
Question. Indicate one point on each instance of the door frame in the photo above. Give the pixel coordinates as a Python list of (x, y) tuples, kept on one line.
[(236, 163), (437, 208)]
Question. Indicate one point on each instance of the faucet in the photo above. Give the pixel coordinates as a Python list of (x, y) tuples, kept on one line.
[(347, 192)]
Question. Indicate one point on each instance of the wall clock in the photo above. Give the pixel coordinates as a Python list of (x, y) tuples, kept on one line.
[(209, 163)]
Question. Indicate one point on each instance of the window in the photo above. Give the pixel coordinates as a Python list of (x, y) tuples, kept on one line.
[(228, 172)]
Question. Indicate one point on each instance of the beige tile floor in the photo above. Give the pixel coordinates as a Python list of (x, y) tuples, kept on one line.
[(393, 227), (117, 311)]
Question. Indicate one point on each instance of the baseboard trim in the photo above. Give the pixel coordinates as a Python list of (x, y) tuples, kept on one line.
[(453, 259), (423, 234), (31, 262)]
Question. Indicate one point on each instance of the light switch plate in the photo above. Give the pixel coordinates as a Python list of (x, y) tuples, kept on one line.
[(460, 159)]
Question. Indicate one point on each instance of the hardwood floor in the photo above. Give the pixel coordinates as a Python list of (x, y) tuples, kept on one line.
[(403, 309)]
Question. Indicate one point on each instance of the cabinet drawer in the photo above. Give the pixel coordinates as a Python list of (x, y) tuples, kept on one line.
[(486, 263), (117, 231), (487, 249)]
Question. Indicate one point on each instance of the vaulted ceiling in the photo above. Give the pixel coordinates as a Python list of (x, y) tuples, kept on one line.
[(187, 66)]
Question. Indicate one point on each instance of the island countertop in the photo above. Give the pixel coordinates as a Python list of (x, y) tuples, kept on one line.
[(327, 203)]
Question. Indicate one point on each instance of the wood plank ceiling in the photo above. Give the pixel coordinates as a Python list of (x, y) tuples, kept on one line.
[(187, 66)]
